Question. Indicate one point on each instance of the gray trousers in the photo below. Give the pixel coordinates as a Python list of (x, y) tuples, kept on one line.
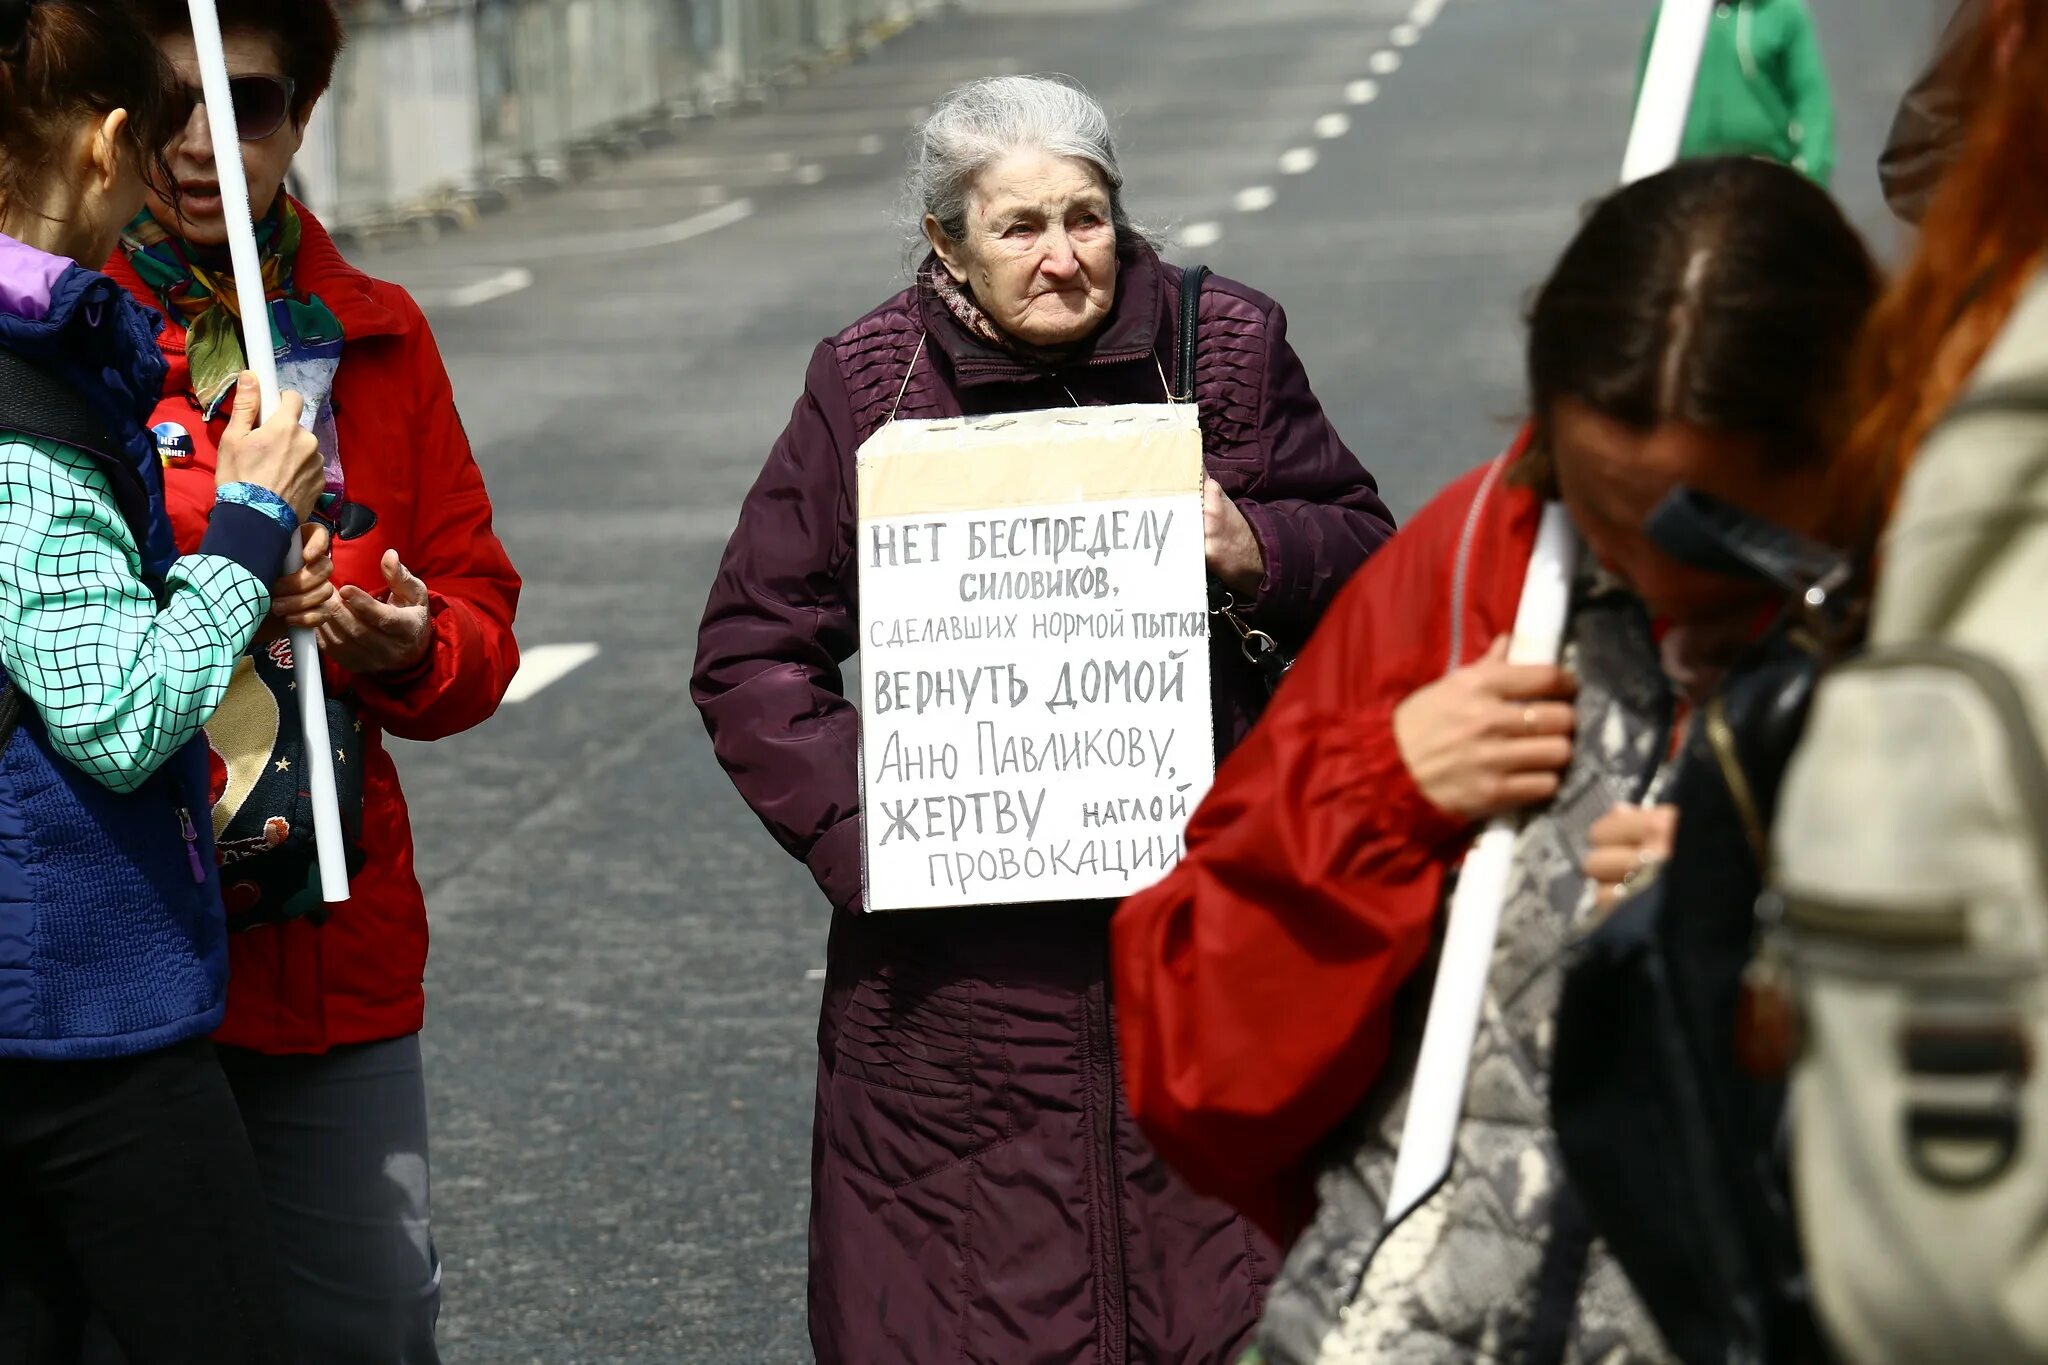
[(341, 1143)]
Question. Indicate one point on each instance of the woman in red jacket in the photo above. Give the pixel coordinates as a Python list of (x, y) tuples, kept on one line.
[(1694, 333), (321, 1036)]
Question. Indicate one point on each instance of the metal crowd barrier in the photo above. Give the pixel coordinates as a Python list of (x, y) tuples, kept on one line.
[(437, 101)]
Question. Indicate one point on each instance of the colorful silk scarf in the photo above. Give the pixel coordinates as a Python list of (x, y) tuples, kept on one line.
[(197, 287)]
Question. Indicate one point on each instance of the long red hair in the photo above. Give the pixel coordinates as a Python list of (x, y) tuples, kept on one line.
[(1982, 240)]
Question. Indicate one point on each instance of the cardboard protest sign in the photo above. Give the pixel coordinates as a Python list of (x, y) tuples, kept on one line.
[(1035, 720)]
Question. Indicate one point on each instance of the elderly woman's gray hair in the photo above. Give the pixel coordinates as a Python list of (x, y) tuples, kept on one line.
[(984, 121)]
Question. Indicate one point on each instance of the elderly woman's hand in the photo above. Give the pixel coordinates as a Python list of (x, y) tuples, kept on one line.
[(1491, 737), (1235, 558), (367, 636), (1628, 843), (305, 599)]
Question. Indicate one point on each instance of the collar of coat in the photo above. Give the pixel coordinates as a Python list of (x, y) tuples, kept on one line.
[(1131, 332), (347, 291)]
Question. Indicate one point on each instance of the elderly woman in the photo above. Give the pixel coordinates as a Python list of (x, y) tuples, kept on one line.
[(413, 597), (979, 1191)]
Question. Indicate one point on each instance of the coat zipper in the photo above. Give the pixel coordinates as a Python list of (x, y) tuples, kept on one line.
[(190, 832), (1116, 1299)]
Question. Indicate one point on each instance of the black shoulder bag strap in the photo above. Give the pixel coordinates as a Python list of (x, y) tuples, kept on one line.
[(1260, 650), (1191, 280), (36, 403)]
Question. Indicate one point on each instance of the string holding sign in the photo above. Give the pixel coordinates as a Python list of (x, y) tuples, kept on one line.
[(260, 347)]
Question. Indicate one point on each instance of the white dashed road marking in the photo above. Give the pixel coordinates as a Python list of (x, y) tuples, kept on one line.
[(646, 239), (543, 666), (1405, 35), (1297, 161), (1361, 92), (1199, 235), (496, 287), (1384, 63), (1333, 126), (1255, 199)]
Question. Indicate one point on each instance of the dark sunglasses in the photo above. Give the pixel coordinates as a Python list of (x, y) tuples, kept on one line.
[(262, 104)]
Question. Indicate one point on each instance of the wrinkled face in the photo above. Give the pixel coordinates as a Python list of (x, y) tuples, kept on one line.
[(1612, 476), (197, 217), (1039, 253)]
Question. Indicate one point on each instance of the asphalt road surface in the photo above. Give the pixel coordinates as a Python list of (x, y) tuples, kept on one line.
[(622, 998)]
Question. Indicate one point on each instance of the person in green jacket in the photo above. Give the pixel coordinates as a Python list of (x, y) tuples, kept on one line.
[(1762, 88)]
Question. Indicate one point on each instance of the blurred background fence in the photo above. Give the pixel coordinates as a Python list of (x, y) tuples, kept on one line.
[(440, 104)]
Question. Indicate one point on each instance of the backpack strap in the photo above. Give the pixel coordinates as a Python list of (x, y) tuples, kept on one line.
[(34, 402), (1703, 532), (37, 404), (2015, 397), (1191, 279)]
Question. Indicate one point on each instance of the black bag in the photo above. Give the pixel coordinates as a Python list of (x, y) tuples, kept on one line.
[(262, 810), (1674, 1147), (1260, 650)]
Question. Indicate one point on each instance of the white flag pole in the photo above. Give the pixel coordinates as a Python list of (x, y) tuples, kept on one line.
[(1436, 1101), (262, 356)]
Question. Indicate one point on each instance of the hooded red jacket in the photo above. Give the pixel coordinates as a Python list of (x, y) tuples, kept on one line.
[(1255, 985), (302, 988)]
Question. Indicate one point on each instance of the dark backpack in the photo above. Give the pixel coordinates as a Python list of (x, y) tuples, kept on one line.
[(1675, 1148)]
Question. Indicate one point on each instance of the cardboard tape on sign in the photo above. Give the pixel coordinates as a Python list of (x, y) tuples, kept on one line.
[(1075, 455)]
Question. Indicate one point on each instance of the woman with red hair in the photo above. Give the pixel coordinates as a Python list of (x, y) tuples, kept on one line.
[(1921, 1192)]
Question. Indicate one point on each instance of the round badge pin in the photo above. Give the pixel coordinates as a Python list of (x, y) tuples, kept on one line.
[(173, 444)]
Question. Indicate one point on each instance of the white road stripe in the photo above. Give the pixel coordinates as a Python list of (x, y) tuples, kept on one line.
[(1405, 35), (646, 239), (1384, 63), (543, 666), (1333, 126), (1198, 235), (1255, 199), (814, 974), (1425, 12), (1297, 161), (498, 286), (1361, 92)]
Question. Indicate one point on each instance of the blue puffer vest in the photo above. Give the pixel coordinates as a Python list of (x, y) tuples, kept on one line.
[(112, 938)]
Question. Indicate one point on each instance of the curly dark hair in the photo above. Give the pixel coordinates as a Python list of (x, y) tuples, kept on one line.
[(308, 34)]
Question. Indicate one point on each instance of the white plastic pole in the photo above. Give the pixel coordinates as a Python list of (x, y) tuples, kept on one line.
[(1436, 1101), (262, 353)]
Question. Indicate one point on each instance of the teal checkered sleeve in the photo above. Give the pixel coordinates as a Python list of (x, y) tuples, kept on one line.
[(120, 685)]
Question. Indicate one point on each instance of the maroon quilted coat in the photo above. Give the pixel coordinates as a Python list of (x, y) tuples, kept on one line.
[(979, 1192)]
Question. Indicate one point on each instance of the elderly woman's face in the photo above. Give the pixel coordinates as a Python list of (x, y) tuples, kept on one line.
[(198, 217), (1039, 252)]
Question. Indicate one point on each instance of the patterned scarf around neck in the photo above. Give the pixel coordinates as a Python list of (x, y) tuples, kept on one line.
[(197, 287), (961, 303)]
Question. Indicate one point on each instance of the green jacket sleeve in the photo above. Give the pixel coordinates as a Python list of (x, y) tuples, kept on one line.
[(1805, 84), (120, 685)]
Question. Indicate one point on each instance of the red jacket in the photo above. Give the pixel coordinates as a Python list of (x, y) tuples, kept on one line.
[(1255, 985), (298, 988)]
